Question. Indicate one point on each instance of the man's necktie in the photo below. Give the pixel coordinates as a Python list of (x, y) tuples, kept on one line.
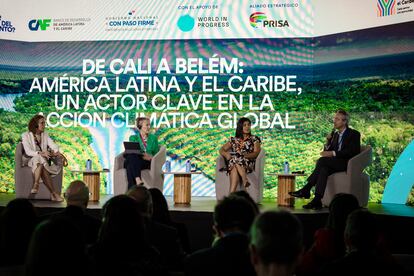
[(335, 141)]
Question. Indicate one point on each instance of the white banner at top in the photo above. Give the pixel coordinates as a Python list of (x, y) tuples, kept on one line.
[(97, 20)]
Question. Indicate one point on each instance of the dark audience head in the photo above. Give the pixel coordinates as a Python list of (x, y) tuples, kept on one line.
[(233, 214), (120, 217), (17, 223), (19, 213), (246, 196), (160, 211), (54, 243), (339, 209), (361, 231), (142, 197), (77, 194), (276, 241)]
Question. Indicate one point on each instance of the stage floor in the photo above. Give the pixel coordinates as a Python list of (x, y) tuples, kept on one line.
[(206, 204)]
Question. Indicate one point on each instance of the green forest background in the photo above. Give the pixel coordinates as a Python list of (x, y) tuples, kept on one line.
[(382, 110)]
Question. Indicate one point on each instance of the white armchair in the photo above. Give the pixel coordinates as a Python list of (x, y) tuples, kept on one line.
[(255, 179), (152, 178), (23, 178), (353, 181)]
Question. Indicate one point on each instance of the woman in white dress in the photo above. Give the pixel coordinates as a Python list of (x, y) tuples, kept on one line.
[(39, 149)]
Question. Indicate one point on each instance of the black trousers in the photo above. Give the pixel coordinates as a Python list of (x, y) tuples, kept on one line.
[(134, 164), (325, 166)]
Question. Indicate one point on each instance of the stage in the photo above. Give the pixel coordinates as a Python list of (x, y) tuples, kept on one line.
[(396, 220)]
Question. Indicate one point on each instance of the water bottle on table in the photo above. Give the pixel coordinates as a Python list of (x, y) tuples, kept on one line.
[(88, 164), (286, 167), (188, 166), (168, 166)]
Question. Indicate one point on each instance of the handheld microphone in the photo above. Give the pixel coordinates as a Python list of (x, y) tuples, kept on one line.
[(329, 139)]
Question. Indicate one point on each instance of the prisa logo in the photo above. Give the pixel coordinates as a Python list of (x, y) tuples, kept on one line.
[(34, 24), (259, 19), (385, 7), (256, 18)]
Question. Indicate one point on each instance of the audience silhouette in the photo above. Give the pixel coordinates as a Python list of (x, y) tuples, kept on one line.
[(163, 237), (17, 223), (138, 237), (363, 256), (77, 198), (329, 241), (161, 214), (123, 247), (229, 254), (276, 243), (57, 247)]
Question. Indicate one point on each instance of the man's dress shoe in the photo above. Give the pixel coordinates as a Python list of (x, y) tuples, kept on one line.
[(300, 194)]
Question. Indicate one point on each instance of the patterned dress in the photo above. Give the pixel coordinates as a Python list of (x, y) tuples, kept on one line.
[(241, 147)]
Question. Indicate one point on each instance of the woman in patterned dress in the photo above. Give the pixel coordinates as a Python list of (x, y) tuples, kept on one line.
[(241, 152)]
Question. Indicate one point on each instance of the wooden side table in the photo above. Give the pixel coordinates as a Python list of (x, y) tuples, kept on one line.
[(182, 187), (92, 179), (286, 184)]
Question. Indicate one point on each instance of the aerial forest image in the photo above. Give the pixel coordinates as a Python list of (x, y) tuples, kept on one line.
[(369, 73)]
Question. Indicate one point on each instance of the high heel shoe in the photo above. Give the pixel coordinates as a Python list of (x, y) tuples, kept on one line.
[(55, 197), (35, 188)]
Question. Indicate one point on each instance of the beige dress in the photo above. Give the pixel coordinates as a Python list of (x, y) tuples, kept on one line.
[(32, 158)]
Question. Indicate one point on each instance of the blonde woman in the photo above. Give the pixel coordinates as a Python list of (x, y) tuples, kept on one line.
[(148, 141)]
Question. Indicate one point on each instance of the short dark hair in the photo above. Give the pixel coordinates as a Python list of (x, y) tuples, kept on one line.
[(278, 237), (34, 123), (346, 115), (340, 207), (234, 212), (121, 214), (239, 128), (160, 212), (245, 195), (362, 229)]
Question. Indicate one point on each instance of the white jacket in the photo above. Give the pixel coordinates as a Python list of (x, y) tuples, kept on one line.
[(29, 144)]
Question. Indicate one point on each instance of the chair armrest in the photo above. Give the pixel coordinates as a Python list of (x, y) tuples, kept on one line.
[(358, 163), (220, 162), (259, 163), (158, 161), (119, 161)]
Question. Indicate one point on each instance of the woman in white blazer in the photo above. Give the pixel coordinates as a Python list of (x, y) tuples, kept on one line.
[(39, 149)]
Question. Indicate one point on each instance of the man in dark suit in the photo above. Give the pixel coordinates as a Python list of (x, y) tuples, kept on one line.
[(342, 145)]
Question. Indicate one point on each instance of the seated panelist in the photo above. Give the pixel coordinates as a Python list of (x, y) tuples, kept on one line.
[(241, 152), (135, 163), (40, 149), (342, 144)]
